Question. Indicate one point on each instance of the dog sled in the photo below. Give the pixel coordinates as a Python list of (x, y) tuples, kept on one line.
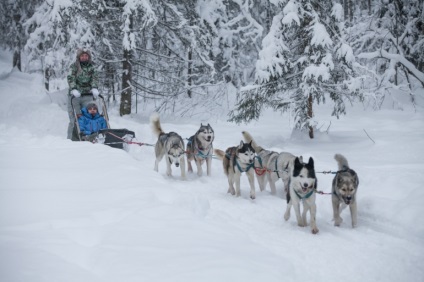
[(115, 138)]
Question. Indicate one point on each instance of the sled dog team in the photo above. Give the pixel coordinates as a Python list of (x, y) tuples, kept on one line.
[(300, 182)]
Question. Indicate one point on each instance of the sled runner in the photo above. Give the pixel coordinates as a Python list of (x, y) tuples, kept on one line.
[(115, 138)]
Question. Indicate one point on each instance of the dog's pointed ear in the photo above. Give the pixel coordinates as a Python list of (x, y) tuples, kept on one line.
[(250, 144), (301, 159), (311, 162), (297, 163), (241, 144), (355, 178)]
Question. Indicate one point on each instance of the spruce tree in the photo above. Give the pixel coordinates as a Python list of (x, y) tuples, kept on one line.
[(304, 59)]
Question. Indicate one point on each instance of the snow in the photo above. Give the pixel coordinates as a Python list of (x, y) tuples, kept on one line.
[(74, 211)]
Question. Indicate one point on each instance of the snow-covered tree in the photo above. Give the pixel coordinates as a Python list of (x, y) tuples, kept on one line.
[(391, 43), (56, 30), (304, 58), (237, 27), (13, 13)]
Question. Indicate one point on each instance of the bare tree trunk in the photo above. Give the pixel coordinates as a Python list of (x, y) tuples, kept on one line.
[(17, 59), (351, 8), (310, 115), (47, 75), (17, 53), (189, 72), (346, 9), (125, 108), (369, 7)]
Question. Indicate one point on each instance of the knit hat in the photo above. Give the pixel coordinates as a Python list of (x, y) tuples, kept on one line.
[(79, 53), (92, 105)]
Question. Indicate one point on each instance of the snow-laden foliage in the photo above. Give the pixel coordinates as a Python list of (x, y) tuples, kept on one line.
[(56, 30), (390, 43), (305, 57), (288, 55)]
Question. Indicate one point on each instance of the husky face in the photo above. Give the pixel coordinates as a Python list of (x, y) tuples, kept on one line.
[(246, 153), (206, 133), (346, 184), (174, 154), (304, 175)]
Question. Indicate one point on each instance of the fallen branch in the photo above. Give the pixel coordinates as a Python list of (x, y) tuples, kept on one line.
[(369, 136)]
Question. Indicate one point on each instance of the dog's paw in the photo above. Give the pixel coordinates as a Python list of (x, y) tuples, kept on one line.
[(315, 230), (338, 221), (231, 191), (301, 223), (286, 216), (252, 196)]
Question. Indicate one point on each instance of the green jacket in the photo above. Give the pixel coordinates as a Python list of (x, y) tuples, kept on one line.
[(84, 81)]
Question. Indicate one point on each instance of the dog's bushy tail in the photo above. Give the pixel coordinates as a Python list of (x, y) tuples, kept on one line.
[(341, 161), (219, 153), (248, 138), (155, 123)]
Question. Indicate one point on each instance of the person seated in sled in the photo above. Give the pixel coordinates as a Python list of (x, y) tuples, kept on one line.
[(83, 83), (91, 122)]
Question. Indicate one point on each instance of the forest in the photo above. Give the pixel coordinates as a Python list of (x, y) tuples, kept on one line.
[(287, 55)]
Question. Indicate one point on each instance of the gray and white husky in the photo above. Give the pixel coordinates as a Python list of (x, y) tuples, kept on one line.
[(170, 145), (302, 188), (200, 149), (236, 160), (345, 185), (275, 165)]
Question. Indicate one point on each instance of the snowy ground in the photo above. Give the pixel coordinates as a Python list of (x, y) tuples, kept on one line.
[(73, 211)]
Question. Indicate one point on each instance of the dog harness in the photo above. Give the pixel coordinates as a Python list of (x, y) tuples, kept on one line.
[(304, 197), (199, 150), (276, 167), (228, 156)]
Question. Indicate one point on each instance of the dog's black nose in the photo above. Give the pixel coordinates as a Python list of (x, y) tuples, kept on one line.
[(305, 185)]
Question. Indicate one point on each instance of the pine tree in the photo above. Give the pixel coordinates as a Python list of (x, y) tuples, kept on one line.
[(13, 14), (304, 58)]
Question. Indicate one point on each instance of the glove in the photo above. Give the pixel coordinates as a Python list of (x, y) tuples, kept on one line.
[(76, 93), (95, 92)]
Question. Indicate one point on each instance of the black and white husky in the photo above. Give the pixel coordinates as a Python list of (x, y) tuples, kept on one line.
[(274, 165), (345, 185), (200, 149), (302, 188), (237, 160), (170, 145)]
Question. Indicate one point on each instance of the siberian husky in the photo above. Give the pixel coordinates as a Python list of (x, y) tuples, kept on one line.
[(200, 149), (302, 187), (345, 185), (170, 144), (275, 165), (237, 160)]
